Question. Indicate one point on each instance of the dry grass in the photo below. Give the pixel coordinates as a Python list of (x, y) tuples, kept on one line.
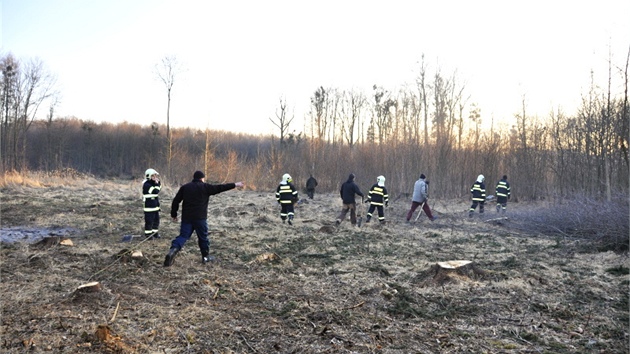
[(299, 289)]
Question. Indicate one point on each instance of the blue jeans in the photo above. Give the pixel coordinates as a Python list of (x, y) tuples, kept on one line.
[(186, 229)]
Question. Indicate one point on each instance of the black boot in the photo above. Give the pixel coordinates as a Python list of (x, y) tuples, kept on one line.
[(168, 261)]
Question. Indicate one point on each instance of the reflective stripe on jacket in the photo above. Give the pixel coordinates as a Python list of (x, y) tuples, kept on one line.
[(478, 191), (150, 199), (286, 193), (378, 195), (503, 189)]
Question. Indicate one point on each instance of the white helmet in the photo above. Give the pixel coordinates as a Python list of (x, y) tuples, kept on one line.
[(287, 178), (380, 180), (481, 178), (150, 172)]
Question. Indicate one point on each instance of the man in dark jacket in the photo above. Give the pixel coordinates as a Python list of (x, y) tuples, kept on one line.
[(348, 190), (195, 196), (311, 183)]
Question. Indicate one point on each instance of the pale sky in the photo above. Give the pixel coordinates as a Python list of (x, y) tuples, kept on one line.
[(240, 57)]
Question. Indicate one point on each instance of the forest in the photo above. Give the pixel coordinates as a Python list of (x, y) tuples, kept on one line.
[(433, 128)]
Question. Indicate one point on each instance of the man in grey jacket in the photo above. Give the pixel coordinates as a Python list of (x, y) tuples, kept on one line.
[(420, 197)]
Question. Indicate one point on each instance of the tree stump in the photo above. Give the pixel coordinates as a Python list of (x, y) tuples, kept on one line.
[(92, 287), (52, 241), (453, 271)]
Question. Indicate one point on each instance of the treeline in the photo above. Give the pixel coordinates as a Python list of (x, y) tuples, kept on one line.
[(429, 128)]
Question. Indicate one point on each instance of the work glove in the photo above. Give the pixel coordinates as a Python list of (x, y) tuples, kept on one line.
[(387, 203), (367, 201)]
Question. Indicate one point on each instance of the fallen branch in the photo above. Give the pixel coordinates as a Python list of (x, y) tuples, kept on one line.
[(115, 312), (355, 306)]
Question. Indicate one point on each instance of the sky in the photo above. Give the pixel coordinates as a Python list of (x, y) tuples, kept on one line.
[(239, 58)]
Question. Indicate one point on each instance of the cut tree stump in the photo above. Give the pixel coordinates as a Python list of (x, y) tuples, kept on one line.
[(453, 271), (92, 287), (52, 241)]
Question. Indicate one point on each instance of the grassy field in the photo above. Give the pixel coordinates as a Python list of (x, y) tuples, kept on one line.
[(308, 288)]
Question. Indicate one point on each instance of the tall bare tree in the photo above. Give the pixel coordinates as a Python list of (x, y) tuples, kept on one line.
[(26, 86), (351, 111), (282, 121), (167, 70), (422, 92)]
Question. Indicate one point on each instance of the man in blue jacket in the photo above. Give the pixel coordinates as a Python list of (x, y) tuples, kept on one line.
[(195, 196)]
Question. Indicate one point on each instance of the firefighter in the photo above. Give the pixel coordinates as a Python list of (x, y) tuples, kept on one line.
[(503, 193), (478, 191), (287, 196), (151, 203), (377, 197)]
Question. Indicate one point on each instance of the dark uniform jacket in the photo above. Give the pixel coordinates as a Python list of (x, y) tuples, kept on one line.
[(286, 193), (478, 191), (348, 190), (150, 199), (195, 195), (503, 191), (378, 195)]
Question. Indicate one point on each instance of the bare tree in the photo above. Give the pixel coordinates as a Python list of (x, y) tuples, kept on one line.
[(282, 121), (166, 71), (352, 107), (26, 87), (319, 113), (422, 91)]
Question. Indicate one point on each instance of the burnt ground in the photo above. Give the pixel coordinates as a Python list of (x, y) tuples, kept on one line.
[(307, 288)]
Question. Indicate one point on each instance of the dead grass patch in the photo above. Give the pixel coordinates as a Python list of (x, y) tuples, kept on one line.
[(309, 288)]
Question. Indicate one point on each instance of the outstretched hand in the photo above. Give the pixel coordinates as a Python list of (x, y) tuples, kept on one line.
[(239, 184)]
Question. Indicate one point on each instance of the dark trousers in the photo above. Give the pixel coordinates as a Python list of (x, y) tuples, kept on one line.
[(474, 206), (381, 212), (151, 223), (200, 227), (310, 192), (415, 205), (502, 203), (287, 210)]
